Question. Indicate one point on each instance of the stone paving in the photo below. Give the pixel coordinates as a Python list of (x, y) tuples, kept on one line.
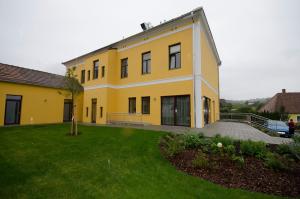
[(235, 130)]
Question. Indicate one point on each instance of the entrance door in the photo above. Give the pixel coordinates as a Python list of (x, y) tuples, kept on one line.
[(12, 109), (206, 110), (94, 110), (175, 110), (67, 110)]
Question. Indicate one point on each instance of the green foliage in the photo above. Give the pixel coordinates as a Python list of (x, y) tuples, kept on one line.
[(192, 140), (200, 160), (229, 149), (251, 148), (272, 161), (283, 149), (224, 140), (295, 150), (296, 138), (174, 144), (214, 148), (239, 160)]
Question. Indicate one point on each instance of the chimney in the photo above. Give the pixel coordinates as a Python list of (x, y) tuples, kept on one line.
[(283, 90)]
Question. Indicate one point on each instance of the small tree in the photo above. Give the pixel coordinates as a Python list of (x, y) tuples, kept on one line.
[(73, 86)]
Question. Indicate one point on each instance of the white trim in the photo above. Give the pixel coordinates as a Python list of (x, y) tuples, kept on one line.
[(197, 73), (155, 38), (210, 86), (138, 84)]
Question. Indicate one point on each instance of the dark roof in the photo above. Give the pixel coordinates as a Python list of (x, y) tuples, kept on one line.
[(189, 14), (289, 101), (16, 74)]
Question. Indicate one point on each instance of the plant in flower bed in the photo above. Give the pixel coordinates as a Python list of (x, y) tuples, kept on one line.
[(255, 166)]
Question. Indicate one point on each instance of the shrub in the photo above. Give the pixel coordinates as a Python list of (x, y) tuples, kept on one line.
[(173, 144), (296, 138), (214, 148), (205, 144), (250, 148), (224, 140), (239, 160), (192, 140), (200, 160), (295, 150), (283, 149), (229, 149), (272, 161)]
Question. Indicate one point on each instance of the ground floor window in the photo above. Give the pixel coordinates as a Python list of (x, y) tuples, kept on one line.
[(206, 110), (146, 105), (67, 110), (132, 105)]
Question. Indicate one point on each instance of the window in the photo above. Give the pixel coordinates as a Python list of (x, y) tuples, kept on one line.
[(145, 105), (87, 112), (298, 118), (101, 112), (124, 68), (103, 71), (95, 69), (146, 63), (89, 75), (132, 105), (174, 56), (82, 76)]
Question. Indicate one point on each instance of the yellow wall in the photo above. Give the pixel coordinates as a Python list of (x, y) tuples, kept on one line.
[(294, 117), (210, 72), (39, 104)]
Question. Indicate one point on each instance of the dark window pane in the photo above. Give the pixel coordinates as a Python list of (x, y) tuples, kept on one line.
[(82, 76), (146, 105), (96, 69), (177, 60), (132, 105), (103, 71), (172, 61), (124, 68)]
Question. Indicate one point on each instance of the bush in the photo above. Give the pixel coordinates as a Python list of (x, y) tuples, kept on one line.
[(229, 149), (272, 161), (192, 140), (214, 148), (224, 140), (174, 144), (295, 150), (239, 160), (250, 148), (200, 161), (296, 138), (283, 149)]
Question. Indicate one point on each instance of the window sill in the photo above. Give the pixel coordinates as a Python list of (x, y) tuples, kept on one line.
[(174, 68)]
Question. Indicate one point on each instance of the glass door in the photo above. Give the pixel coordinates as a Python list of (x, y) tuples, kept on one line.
[(12, 109), (167, 110), (182, 111), (67, 110), (175, 110)]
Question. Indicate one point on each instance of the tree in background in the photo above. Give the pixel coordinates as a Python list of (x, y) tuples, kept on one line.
[(73, 86)]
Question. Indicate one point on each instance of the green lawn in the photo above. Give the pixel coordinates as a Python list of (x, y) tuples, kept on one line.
[(42, 162)]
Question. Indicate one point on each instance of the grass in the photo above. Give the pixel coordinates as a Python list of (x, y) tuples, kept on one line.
[(102, 162)]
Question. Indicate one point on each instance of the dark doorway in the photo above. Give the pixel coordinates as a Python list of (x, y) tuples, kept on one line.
[(12, 109), (94, 110), (175, 110), (206, 110), (67, 110)]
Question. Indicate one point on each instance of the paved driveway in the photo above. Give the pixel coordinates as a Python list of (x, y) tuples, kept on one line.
[(241, 131), (235, 130)]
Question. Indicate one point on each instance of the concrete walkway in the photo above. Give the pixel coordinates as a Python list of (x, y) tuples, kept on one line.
[(235, 130)]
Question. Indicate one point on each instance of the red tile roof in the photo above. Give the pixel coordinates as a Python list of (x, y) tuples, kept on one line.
[(16, 74), (289, 101)]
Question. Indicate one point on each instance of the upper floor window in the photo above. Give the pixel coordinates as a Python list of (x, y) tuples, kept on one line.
[(146, 63), (132, 105), (174, 56), (103, 71), (124, 68), (145, 105), (95, 69), (89, 75), (82, 76)]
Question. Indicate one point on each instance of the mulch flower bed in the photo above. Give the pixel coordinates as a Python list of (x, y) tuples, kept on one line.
[(252, 176)]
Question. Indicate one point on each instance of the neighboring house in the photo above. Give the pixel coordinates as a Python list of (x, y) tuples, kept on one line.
[(165, 75), (32, 97), (284, 102)]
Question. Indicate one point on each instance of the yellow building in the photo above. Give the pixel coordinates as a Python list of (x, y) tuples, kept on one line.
[(33, 97), (164, 75)]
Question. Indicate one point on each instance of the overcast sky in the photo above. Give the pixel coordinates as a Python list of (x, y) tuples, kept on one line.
[(258, 40)]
